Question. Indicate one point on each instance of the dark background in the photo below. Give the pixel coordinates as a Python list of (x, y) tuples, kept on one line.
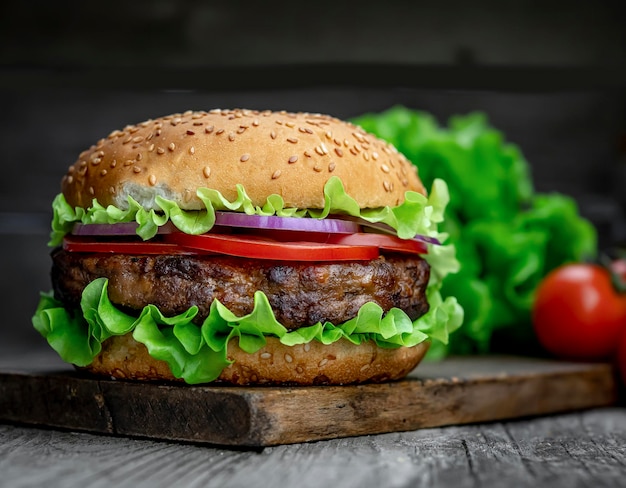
[(550, 74)]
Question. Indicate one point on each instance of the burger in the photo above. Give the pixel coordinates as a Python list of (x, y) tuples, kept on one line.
[(246, 247)]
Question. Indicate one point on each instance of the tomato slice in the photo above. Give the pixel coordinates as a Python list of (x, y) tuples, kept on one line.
[(281, 246), (260, 248), (78, 244), (381, 241)]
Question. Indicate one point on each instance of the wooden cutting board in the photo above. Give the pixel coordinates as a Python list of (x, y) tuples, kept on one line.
[(453, 391)]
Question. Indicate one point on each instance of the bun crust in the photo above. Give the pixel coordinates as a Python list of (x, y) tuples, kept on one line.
[(307, 364), (289, 154)]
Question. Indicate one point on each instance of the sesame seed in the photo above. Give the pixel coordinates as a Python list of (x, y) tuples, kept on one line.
[(192, 150), (176, 121), (317, 168), (387, 186), (206, 171), (190, 132), (129, 162), (241, 130), (329, 135), (96, 161), (197, 124), (293, 159), (273, 135), (171, 146), (299, 369), (305, 130), (307, 154), (255, 122), (137, 169), (331, 167), (151, 148), (150, 136), (279, 122), (290, 124), (366, 156), (137, 139), (374, 155), (293, 140), (337, 142), (358, 136), (365, 367), (319, 150), (231, 136), (113, 163), (208, 129), (288, 358), (339, 152), (220, 131), (385, 168), (139, 157), (306, 347), (112, 190), (266, 355), (103, 172), (160, 150), (244, 158), (70, 179), (152, 180), (322, 362), (276, 174), (346, 142)]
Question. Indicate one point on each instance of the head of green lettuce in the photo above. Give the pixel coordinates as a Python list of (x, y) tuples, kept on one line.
[(196, 351)]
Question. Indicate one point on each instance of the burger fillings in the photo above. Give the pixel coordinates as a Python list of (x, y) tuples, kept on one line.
[(246, 247)]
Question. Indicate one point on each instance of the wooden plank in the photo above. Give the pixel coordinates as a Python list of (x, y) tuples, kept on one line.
[(578, 449), (455, 391)]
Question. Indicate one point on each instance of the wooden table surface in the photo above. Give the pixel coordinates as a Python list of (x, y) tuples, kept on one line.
[(586, 449)]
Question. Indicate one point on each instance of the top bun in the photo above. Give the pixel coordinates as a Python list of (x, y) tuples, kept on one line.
[(289, 154)]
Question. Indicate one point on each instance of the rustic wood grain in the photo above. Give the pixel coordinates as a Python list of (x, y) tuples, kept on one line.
[(580, 449), (452, 392)]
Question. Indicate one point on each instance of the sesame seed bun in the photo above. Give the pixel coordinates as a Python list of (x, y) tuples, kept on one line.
[(314, 363), (289, 154)]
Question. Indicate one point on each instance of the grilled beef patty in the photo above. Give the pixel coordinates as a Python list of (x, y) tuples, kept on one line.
[(300, 293)]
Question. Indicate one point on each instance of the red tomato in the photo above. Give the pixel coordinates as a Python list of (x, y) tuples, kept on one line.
[(88, 244), (381, 241), (260, 248), (621, 356), (578, 314)]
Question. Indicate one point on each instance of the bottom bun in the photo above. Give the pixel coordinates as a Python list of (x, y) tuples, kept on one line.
[(314, 363)]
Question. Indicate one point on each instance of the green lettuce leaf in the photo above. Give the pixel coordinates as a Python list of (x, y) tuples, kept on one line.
[(507, 237), (197, 353), (416, 215)]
